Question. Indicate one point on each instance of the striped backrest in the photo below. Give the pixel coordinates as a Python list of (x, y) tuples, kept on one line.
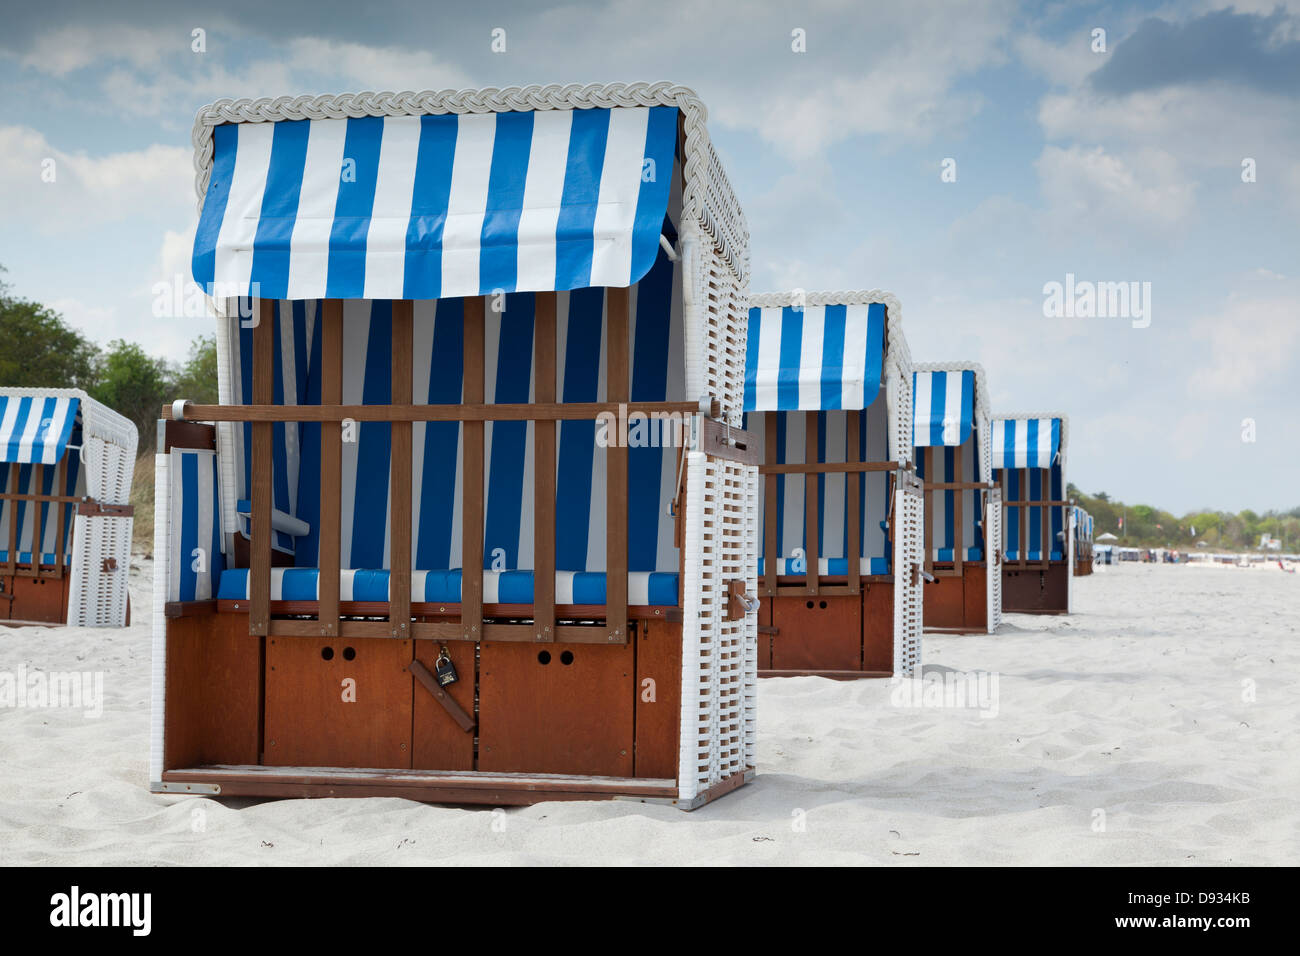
[(832, 446), (195, 560), (435, 206), (952, 465), (943, 407), (1044, 484), (658, 373), (26, 517)]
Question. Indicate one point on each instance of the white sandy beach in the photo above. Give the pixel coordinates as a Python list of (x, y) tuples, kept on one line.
[(1136, 707)]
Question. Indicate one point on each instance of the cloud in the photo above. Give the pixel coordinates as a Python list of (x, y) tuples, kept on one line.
[(1250, 344), (1146, 190), (1244, 48), (88, 191)]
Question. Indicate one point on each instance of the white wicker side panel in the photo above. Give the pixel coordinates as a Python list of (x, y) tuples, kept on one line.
[(752, 547), (98, 597), (693, 760), (161, 548), (909, 544), (737, 639), (993, 551)]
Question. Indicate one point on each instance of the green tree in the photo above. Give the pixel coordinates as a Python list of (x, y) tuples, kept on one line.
[(39, 350), (133, 383), (196, 379)]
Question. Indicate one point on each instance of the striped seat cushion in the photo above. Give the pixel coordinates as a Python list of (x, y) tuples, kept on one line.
[(644, 588), (1035, 554), (826, 567), (946, 554), (25, 557)]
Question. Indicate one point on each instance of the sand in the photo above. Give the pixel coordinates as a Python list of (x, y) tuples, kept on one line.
[(1157, 725)]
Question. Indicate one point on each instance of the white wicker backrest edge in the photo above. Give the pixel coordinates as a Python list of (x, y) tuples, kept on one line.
[(707, 196)]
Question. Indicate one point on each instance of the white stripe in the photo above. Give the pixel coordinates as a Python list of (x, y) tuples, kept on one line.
[(390, 215), (855, 357), (491, 587), (1043, 458), (810, 356), (234, 254), (543, 192), (346, 580), (563, 587), (769, 359), (30, 427), (923, 394), (309, 252), (57, 420), (638, 587), (620, 187), (470, 173), (952, 408), (11, 408)]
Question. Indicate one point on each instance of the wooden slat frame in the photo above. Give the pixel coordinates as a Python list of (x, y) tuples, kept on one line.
[(617, 390), (259, 573), (11, 566), (544, 349), (811, 502), (38, 520), (466, 411), (770, 557), (331, 468), (400, 474), (851, 491), (471, 579)]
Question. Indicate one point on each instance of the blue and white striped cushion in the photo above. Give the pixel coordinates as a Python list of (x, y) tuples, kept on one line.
[(826, 567), (499, 587), (195, 560)]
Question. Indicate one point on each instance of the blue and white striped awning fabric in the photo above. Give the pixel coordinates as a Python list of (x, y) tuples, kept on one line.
[(953, 465), (943, 408), (832, 512), (195, 560), (438, 206), (814, 358), (658, 374), (1026, 442), (35, 430)]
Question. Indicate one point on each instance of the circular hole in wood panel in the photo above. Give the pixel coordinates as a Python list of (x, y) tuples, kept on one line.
[(823, 605), (327, 653), (349, 653), (810, 604), (566, 658), (544, 657)]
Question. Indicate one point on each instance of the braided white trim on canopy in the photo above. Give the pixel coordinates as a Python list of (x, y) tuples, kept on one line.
[(707, 194)]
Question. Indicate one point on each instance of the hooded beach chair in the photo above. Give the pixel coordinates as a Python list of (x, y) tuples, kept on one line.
[(66, 463), (828, 397), (1038, 533), (963, 509), (477, 518), (1082, 541)]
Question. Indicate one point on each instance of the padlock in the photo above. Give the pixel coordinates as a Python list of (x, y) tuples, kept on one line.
[(444, 669)]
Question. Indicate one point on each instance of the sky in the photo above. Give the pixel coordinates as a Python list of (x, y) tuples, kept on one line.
[(962, 155)]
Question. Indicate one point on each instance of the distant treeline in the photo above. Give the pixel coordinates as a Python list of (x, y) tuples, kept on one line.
[(38, 349), (1148, 527)]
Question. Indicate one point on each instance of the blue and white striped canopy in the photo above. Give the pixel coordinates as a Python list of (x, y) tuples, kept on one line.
[(943, 408), (1026, 442), (815, 358), (35, 430), (438, 206)]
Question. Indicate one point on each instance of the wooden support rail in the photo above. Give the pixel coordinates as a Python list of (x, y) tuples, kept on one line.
[(471, 578), (331, 468), (828, 467), (853, 553), (399, 475), (259, 574), (544, 375), (467, 412), (617, 389), (811, 496)]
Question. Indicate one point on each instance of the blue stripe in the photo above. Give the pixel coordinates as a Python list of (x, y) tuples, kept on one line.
[(1008, 427), (225, 142), (649, 384), (279, 448), (509, 439), (821, 485), (833, 356), (752, 338), (189, 525), (346, 277), (499, 239), (270, 271), (938, 400), (875, 357), (370, 509), (438, 478), (1056, 437), (781, 428), (950, 472), (307, 547), (967, 405), (575, 228), (578, 438), (787, 387), (422, 278), (652, 200)]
